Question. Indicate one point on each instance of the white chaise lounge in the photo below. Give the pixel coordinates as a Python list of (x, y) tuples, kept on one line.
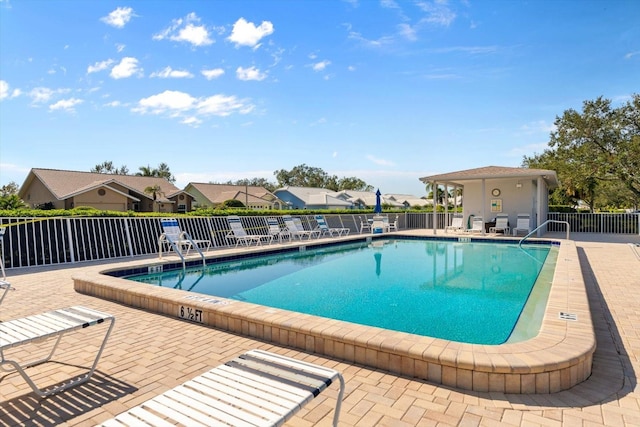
[(53, 324), (257, 388)]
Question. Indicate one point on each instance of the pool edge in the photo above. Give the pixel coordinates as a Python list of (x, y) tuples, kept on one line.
[(557, 359)]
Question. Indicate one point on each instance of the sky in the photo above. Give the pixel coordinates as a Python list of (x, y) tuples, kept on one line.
[(387, 91)]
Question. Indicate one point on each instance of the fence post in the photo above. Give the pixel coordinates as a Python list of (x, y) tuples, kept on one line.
[(70, 237), (128, 235)]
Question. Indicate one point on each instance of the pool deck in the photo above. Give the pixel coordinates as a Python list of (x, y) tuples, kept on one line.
[(138, 362)]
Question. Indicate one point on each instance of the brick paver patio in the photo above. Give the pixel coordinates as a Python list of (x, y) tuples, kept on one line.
[(148, 354)]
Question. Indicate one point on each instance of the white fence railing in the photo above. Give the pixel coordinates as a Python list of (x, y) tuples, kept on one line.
[(29, 242)]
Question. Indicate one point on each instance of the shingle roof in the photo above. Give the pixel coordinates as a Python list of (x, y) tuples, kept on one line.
[(493, 172), (63, 184), (218, 193)]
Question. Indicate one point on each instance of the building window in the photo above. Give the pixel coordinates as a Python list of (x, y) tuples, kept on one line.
[(182, 208), (101, 192)]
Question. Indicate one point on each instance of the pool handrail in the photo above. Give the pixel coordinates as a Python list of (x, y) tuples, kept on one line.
[(542, 225)]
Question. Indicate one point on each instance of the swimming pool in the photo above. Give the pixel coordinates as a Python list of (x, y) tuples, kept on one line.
[(556, 356), (471, 292)]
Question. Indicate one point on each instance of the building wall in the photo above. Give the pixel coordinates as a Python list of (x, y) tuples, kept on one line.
[(38, 194), (516, 196), (101, 198)]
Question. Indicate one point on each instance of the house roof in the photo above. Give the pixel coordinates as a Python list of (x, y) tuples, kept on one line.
[(64, 184), (368, 198), (218, 193), (493, 172), (315, 196)]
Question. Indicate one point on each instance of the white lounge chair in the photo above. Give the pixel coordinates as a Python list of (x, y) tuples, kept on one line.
[(238, 233), (502, 224), (276, 231), (331, 231), (457, 224), (4, 284), (477, 225), (298, 231), (173, 237), (523, 223), (258, 388), (53, 324)]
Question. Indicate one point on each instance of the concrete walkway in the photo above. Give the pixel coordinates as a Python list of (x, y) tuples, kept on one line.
[(148, 354)]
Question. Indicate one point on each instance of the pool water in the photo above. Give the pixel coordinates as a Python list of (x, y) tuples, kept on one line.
[(471, 292)]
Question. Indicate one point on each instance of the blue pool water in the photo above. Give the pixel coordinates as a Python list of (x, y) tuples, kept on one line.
[(469, 292)]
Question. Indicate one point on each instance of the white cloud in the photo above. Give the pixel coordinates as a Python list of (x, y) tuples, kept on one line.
[(127, 67), (44, 94), (119, 17), (221, 105), (65, 104), (351, 68), (631, 54), (191, 121), (320, 66), (113, 104), (407, 32), (99, 66), (539, 126), (186, 30), (168, 72), (438, 12), (251, 73), (190, 110), (120, 47), (247, 34), (6, 93), (213, 73), (378, 161)]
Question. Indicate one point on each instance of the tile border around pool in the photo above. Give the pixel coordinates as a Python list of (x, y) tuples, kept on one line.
[(557, 359)]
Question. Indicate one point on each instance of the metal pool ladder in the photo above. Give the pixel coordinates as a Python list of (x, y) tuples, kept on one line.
[(542, 225)]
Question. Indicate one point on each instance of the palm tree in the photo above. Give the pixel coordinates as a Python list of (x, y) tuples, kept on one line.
[(154, 191)]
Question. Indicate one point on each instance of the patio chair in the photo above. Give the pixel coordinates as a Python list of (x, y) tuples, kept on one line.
[(456, 224), (39, 327), (365, 225), (257, 388), (523, 223), (393, 225), (276, 231), (173, 237), (4, 284), (502, 224), (477, 225), (331, 231), (238, 233), (297, 231)]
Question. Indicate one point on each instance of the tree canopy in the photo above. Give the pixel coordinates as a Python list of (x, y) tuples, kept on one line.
[(108, 167), (308, 176), (596, 154)]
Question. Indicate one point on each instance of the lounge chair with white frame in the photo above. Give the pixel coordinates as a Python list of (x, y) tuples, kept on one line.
[(173, 237), (297, 231), (276, 231), (477, 225), (241, 237), (457, 224), (36, 328), (393, 225), (257, 388), (4, 284), (502, 224), (523, 223), (331, 231)]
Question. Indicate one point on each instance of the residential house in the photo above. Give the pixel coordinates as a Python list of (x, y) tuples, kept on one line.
[(62, 189), (366, 199), (311, 198), (253, 197)]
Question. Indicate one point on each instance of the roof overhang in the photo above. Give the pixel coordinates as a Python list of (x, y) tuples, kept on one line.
[(461, 178)]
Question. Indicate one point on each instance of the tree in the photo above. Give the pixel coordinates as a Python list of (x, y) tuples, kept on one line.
[(595, 149), (161, 172), (9, 198), (254, 182), (307, 176), (154, 191), (107, 167)]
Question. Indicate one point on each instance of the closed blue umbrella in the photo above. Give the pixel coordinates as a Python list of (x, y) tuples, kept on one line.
[(378, 208)]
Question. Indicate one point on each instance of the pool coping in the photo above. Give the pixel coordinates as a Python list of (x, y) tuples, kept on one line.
[(558, 358)]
